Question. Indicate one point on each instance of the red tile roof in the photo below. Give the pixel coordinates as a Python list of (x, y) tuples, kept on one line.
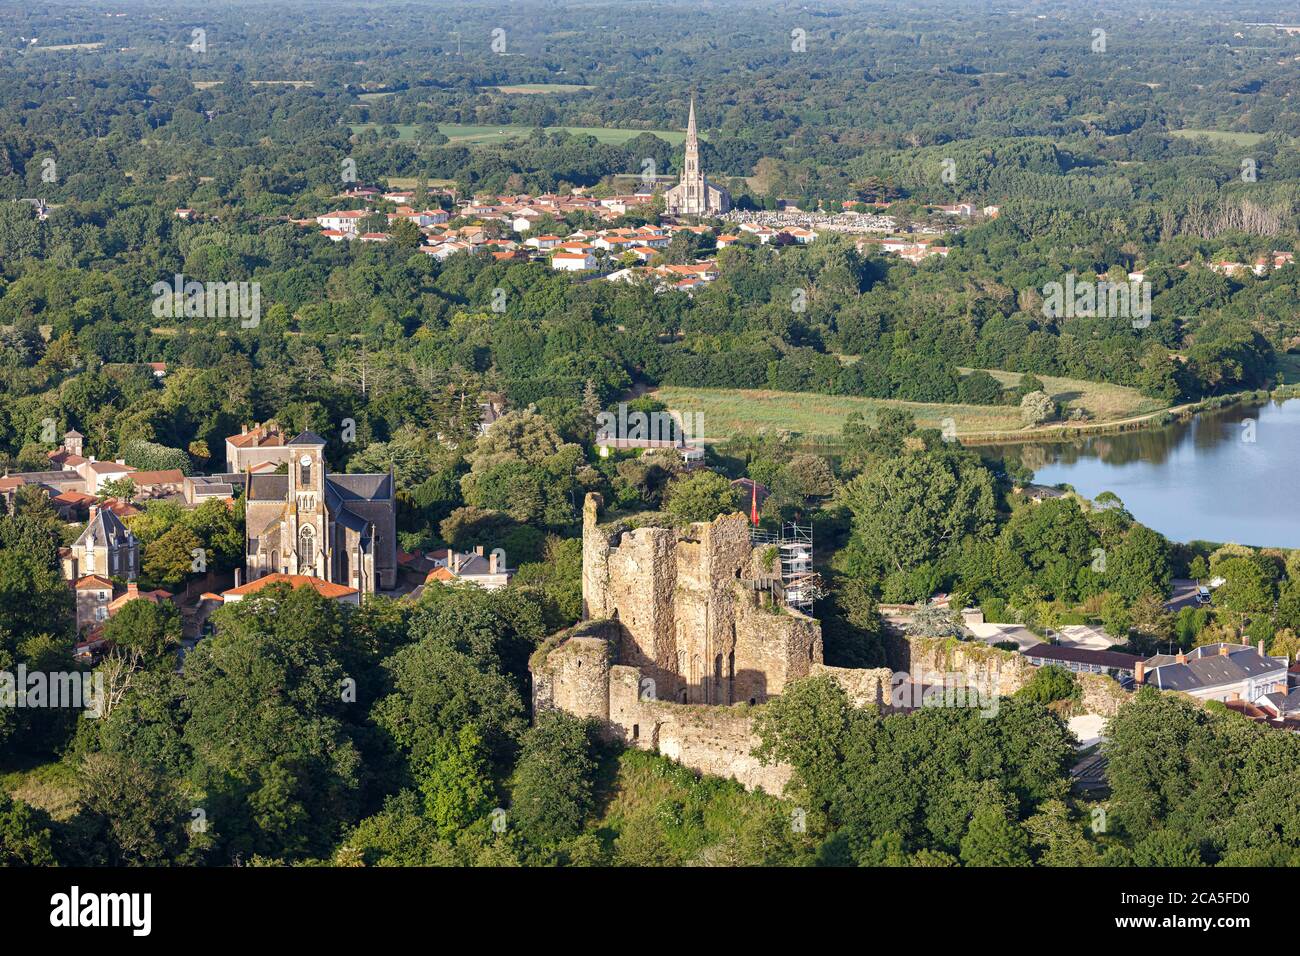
[(323, 587)]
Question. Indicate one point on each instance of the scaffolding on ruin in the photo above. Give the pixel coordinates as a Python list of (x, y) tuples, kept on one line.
[(799, 584)]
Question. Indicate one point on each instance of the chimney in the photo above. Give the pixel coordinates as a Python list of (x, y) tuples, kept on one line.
[(132, 589), (1223, 650), (239, 573), (492, 563), (1182, 658), (243, 429), (478, 549), (1139, 672), (1260, 647), (455, 562)]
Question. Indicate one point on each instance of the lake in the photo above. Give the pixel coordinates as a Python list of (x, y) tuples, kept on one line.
[(1227, 475)]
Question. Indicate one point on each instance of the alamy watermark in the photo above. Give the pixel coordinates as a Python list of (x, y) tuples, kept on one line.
[(75, 690), (1083, 298), (911, 691), (636, 429), (192, 299)]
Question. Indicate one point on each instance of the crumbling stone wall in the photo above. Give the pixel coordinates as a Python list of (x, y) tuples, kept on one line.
[(866, 687), (573, 675), (1102, 695), (681, 640), (993, 669), (715, 740), (690, 608)]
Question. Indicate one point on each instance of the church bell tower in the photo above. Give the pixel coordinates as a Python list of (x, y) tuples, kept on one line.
[(305, 525)]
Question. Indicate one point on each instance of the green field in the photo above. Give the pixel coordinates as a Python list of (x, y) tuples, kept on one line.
[(730, 412), (50, 786), (466, 135), (1234, 139), (1105, 402)]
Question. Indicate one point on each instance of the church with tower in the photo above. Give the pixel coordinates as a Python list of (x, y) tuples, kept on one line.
[(695, 195), (340, 528)]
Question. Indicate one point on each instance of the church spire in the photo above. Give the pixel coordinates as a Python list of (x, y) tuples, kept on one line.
[(691, 164), (694, 195)]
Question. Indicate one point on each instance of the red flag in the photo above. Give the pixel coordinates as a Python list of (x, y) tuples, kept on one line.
[(753, 501)]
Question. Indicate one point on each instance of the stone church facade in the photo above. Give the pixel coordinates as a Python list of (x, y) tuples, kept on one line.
[(340, 528), (695, 195)]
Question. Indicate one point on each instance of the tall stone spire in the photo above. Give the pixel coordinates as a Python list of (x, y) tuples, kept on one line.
[(694, 195), (691, 167)]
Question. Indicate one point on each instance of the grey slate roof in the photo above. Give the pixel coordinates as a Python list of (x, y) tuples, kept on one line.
[(1285, 704), (307, 438), (361, 487), (1208, 667), (268, 487), (105, 530), (1082, 655)]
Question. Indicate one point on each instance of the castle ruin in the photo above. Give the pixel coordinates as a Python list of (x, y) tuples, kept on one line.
[(682, 634)]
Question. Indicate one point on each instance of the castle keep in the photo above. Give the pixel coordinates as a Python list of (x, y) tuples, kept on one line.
[(674, 618)]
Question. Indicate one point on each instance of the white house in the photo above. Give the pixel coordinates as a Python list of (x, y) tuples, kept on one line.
[(573, 261), (344, 221)]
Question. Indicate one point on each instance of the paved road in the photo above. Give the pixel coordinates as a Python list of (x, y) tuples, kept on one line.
[(1184, 595)]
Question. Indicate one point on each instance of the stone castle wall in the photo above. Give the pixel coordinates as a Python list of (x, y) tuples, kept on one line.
[(680, 641), (692, 611), (680, 644), (1002, 672)]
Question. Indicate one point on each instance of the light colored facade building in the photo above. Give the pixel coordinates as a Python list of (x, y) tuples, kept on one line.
[(695, 195), (105, 548), (340, 528)]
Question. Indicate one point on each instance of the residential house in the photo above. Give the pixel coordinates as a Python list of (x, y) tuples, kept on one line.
[(1223, 672), (104, 548), (486, 571), (573, 261), (261, 444)]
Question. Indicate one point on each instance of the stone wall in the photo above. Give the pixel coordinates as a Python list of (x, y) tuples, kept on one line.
[(866, 687), (1004, 672), (715, 740), (681, 640), (694, 609), (989, 668), (576, 675), (1102, 695)]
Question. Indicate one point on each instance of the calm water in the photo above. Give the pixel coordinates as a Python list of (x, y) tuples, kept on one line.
[(1198, 480)]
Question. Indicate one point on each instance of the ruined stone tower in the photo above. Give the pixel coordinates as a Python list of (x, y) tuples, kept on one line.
[(676, 617)]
